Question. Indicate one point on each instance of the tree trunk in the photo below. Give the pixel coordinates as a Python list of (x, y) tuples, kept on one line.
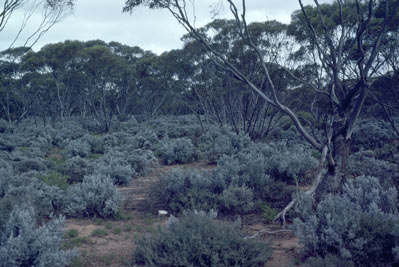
[(334, 177)]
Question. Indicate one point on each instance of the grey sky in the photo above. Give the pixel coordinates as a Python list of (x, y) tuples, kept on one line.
[(154, 30)]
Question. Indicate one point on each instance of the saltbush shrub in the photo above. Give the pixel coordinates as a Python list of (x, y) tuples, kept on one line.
[(145, 139), (237, 200), (191, 189), (31, 164), (105, 143), (197, 240), (54, 178), (179, 150), (17, 190), (44, 198), (72, 130), (89, 123), (6, 144), (175, 127), (181, 190), (328, 261), (22, 243), (115, 165), (78, 148), (371, 134), (141, 161), (216, 142), (95, 196), (4, 125), (365, 163), (290, 163), (360, 225), (76, 168), (245, 169)]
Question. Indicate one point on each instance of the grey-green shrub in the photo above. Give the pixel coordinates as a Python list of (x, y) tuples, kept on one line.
[(20, 189), (145, 139), (287, 162), (360, 225), (180, 190), (197, 240), (179, 150), (76, 168), (95, 196), (175, 127), (77, 148), (4, 125), (328, 261), (216, 142), (115, 165), (237, 200), (30, 164), (371, 134), (22, 243), (141, 161), (364, 163)]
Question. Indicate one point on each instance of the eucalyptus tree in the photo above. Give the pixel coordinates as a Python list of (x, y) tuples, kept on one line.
[(219, 94), (101, 70), (158, 78), (343, 42), (128, 82), (61, 62), (12, 107), (50, 12)]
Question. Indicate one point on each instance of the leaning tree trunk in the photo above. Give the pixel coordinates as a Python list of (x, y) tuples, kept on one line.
[(329, 178), (334, 177)]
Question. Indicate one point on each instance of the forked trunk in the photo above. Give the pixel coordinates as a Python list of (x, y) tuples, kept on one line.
[(334, 177)]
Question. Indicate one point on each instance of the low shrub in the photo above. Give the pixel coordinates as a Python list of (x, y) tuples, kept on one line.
[(196, 240), (72, 130), (244, 169), (145, 139), (179, 150), (95, 196), (216, 142), (180, 190), (141, 161), (77, 148), (55, 179), (4, 125), (365, 163), (76, 168), (328, 261), (115, 165), (237, 200), (105, 143), (19, 189), (290, 163), (4, 164), (268, 212), (175, 127), (371, 134), (360, 225), (32, 164), (22, 243)]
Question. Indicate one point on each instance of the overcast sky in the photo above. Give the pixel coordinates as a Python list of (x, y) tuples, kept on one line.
[(154, 30)]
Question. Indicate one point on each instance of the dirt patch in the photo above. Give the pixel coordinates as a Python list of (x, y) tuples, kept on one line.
[(109, 242), (283, 242)]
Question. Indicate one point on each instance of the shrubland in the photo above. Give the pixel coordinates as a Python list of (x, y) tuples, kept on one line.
[(75, 173)]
